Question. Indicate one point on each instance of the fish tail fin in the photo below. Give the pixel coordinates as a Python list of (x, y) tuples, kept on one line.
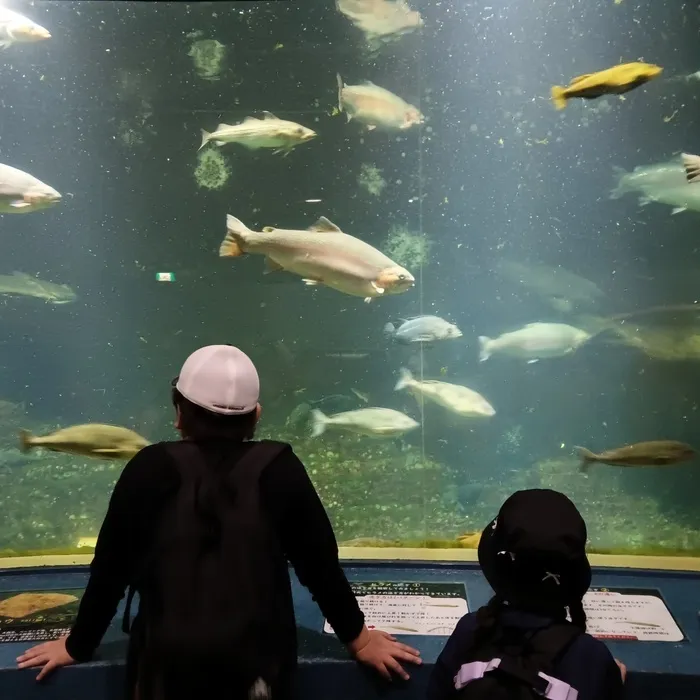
[(25, 440), (587, 458), (691, 164), (620, 188), (232, 245), (205, 139), (339, 80), (389, 329), (319, 421), (484, 351), (404, 379), (559, 96)]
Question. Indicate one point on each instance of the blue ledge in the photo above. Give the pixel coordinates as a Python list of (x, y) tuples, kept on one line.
[(656, 669)]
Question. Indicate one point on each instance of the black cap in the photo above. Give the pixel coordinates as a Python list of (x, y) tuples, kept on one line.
[(534, 553)]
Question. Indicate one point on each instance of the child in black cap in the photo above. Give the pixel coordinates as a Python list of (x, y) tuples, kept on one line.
[(520, 644)]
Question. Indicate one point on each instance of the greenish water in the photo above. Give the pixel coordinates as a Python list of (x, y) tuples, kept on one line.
[(490, 203)]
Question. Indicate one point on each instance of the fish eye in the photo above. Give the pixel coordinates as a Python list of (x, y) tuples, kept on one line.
[(402, 277)]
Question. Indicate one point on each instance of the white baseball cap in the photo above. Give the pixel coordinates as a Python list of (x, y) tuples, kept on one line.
[(220, 378)]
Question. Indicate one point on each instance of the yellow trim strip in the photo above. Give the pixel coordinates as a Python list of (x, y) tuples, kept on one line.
[(350, 554)]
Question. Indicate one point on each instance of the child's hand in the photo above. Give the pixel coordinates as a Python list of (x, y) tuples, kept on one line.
[(623, 669), (50, 655), (383, 652)]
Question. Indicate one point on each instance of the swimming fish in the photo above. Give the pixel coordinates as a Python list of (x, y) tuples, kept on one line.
[(322, 254), (612, 81), (534, 341), (24, 285), (691, 164), (422, 329), (373, 422), (268, 132), (657, 176), (21, 193), (380, 20), (656, 453), (376, 107), (455, 398), (679, 198), (16, 28), (89, 440)]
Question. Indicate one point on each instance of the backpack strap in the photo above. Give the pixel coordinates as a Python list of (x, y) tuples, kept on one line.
[(542, 652), (245, 472)]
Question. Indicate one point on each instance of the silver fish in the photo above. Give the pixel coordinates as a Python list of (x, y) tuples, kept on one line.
[(380, 20), (422, 329), (681, 198), (268, 132), (660, 176), (534, 341), (22, 284), (322, 254), (373, 422), (454, 397), (21, 193), (376, 107), (16, 28)]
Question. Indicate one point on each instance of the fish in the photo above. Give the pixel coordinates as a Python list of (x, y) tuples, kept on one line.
[(612, 81), (21, 193), (667, 175), (534, 341), (681, 199), (373, 422), (657, 453), (322, 254), (422, 329), (376, 107), (559, 287), (22, 284), (89, 440), (455, 398), (253, 133), (16, 28), (380, 20), (691, 164)]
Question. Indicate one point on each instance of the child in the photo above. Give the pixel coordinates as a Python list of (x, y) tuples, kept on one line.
[(520, 645), (203, 529)]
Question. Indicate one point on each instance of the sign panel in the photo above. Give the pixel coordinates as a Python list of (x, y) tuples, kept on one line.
[(37, 616), (410, 607), (634, 614)]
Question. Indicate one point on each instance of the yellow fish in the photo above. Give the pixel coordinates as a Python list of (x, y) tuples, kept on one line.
[(613, 81)]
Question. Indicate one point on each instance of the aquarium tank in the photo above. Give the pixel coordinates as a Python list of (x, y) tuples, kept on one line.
[(460, 241)]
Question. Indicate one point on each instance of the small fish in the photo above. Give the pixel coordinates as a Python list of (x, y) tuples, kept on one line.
[(16, 28), (535, 341), (322, 254), (649, 178), (612, 81), (376, 107), (422, 329), (268, 132), (455, 398), (380, 20), (656, 453), (373, 422), (21, 193), (89, 440), (22, 284), (692, 167)]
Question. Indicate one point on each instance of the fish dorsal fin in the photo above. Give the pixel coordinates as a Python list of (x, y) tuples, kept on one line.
[(323, 225), (269, 115), (221, 127), (579, 78)]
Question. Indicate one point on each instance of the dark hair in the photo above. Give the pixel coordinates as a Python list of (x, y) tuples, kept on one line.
[(199, 424)]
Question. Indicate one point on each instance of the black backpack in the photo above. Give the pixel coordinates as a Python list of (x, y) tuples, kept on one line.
[(523, 654), (214, 589)]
